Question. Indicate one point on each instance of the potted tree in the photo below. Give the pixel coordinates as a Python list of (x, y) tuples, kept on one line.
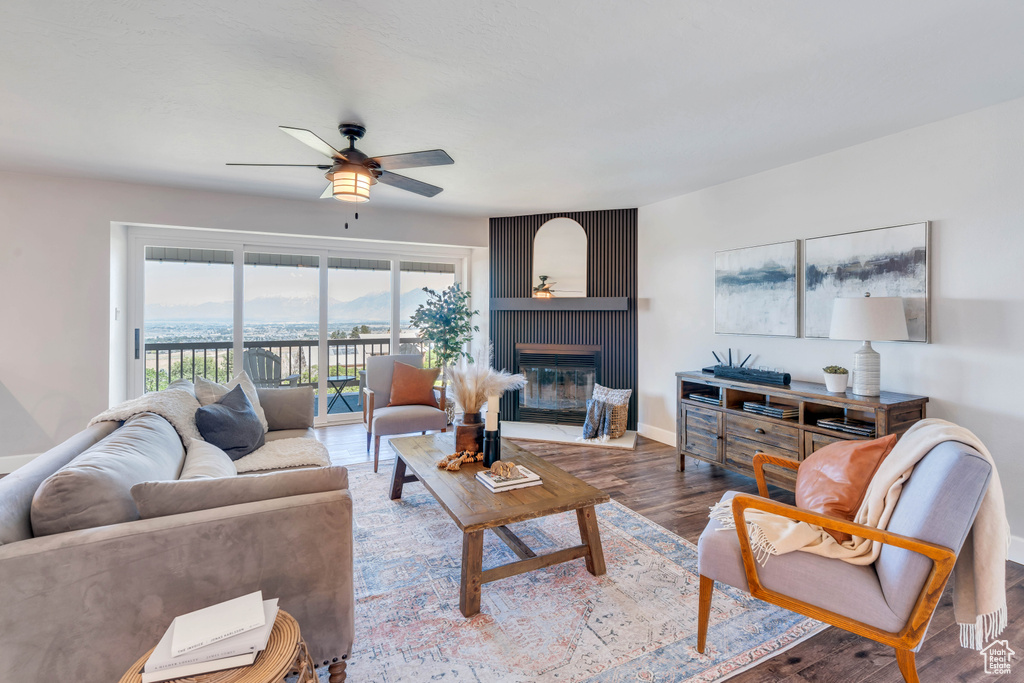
[(446, 321), (836, 378)]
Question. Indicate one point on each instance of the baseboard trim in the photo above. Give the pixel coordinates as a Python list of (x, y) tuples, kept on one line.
[(658, 434), (1017, 549), (9, 463)]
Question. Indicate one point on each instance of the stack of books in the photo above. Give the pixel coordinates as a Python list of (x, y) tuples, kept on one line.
[(848, 425), (219, 637), (710, 399), (520, 479), (782, 412)]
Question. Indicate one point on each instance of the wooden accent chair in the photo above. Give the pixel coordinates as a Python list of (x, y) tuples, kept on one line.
[(891, 601), (380, 419), (264, 368)]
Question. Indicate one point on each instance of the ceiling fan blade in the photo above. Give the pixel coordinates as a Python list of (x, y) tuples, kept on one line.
[(430, 157), (405, 183), (329, 192), (310, 138), (325, 167)]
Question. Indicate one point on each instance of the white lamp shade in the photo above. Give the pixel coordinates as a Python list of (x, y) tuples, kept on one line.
[(869, 318)]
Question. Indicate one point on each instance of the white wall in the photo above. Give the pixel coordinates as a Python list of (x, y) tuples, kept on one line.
[(965, 175), (56, 272)]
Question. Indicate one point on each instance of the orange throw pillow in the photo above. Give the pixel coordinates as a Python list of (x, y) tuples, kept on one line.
[(411, 386), (833, 480)]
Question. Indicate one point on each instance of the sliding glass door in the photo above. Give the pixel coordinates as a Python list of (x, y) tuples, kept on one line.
[(288, 314), (281, 319), (359, 325), (188, 316)]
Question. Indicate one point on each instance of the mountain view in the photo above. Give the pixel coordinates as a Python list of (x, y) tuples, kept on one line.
[(374, 307)]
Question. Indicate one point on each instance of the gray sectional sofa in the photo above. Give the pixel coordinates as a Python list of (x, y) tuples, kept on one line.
[(83, 605)]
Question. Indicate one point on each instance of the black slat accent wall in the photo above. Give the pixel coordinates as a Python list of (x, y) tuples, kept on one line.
[(611, 271)]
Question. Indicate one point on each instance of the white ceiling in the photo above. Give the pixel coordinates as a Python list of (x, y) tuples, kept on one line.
[(543, 104)]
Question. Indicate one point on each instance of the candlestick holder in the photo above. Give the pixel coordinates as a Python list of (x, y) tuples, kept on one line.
[(492, 447)]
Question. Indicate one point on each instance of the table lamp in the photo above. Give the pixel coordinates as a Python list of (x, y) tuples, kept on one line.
[(867, 319)]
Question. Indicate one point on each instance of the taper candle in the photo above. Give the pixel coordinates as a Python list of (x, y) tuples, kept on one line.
[(491, 423)]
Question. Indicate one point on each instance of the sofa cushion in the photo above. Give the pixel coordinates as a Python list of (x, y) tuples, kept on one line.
[(208, 392), (231, 424), (848, 589), (405, 419), (162, 498), (833, 480), (305, 433), (411, 386), (288, 407), (203, 460), (18, 487), (94, 489)]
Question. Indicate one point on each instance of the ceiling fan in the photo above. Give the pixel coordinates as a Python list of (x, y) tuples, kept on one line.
[(351, 172)]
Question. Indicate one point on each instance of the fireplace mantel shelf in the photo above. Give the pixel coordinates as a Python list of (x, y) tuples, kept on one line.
[(589, 303)]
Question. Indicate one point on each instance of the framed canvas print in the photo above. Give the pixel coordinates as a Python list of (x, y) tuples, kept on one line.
[(756, 290), (883, 262)]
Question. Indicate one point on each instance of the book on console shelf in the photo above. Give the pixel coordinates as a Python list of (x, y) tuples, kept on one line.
[(779, 411), (710, 399), (239, 649), (497, 483), (847, 425)]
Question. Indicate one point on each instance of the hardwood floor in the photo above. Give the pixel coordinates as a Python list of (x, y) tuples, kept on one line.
[(646, 480)]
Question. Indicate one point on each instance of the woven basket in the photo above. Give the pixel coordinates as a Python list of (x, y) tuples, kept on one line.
[(618, 401), (620, 415)]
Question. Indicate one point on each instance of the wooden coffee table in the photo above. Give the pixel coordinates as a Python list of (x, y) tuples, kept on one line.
[(474, 509)]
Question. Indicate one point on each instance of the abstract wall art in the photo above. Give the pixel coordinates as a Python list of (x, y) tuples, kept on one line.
[(756, 290), (883, 262)]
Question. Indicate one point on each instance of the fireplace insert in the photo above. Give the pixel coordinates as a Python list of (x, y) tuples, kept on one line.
[(560, 378)]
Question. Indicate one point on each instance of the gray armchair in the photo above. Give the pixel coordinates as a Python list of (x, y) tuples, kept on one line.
[(380, 419), (891, 601)]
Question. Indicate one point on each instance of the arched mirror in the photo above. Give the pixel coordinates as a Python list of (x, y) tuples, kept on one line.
[(560, 260)]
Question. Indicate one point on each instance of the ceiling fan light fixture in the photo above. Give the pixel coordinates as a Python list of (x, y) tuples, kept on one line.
[(351, 183)]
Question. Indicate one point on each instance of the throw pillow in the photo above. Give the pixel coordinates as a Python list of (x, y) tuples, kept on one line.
[(205, 461), (412, 386), (208, 392), (231, 424), (287, 407), (834, 479), (161, 498)]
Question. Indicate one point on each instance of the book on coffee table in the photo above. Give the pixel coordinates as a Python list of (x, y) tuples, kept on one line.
[(522, 478)]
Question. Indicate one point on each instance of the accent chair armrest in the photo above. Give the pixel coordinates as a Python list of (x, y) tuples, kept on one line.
[(441, 396), (910, 635), (762, 459)]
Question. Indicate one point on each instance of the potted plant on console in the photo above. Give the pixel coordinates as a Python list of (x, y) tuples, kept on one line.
[(836, 378), (446, 321)]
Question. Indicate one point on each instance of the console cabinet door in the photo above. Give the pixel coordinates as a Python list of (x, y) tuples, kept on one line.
[(702, 433)]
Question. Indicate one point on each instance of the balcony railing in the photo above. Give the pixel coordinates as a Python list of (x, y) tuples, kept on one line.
[(168, 361)]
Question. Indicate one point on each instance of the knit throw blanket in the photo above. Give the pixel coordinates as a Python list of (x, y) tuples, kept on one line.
[(979, 586), (177, 406)]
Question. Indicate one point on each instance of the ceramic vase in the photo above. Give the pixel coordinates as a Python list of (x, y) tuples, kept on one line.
[(469, 433)]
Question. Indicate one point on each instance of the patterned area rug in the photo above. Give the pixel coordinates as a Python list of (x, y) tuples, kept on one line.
[(636, 623)]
